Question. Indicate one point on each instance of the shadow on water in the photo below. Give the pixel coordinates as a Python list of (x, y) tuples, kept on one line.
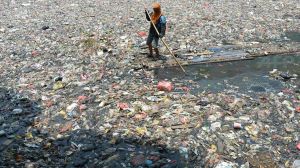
[(247, 75), (24, 145), (86, 148), (17, 113)]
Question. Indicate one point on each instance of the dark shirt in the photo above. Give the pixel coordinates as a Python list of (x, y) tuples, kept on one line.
[(160, 25)]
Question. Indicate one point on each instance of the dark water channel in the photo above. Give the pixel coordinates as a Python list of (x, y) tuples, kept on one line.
[(249, 76), (293, 36)]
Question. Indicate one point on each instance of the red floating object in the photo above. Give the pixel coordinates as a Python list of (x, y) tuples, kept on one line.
[(123, 106), (164, 86)]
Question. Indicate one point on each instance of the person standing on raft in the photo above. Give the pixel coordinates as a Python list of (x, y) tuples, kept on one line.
[(160, 22)]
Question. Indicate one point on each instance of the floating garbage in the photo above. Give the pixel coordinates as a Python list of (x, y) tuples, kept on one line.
[(77, 89), (164, 86)]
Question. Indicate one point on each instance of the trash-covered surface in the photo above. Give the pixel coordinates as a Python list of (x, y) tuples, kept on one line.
[(76, 89)]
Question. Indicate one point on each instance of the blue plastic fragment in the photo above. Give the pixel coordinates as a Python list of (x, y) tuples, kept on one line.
[(148, 162)]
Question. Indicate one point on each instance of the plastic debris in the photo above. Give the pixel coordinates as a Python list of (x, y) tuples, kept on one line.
[(237, 125), (58, 85), (77, 89), (296, 164), (164, 86), (297, 109), (142, 34), (298, 146), (225, 165), (138, 160), (148, 163), (66, 127), (184, 152), (123, 106)]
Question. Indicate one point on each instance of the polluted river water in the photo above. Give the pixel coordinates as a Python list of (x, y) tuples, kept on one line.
[(248, 76)]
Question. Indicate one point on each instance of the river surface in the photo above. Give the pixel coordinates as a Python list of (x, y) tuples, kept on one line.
[(246, 76)]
